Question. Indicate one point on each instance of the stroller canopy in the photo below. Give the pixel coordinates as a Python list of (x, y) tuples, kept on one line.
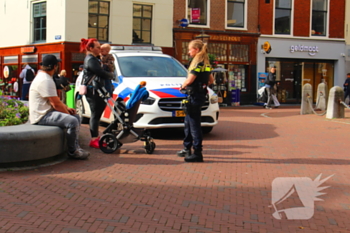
[(140, 93)]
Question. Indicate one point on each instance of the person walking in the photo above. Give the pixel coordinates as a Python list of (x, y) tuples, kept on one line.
[(94, 77), (27, 74), (270, 86), (346, 86), (45, 108), (198, 79)]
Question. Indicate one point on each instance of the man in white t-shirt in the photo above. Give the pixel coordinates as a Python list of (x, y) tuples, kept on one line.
[(45, 107)]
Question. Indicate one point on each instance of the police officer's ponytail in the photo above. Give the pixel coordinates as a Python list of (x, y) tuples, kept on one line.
[(201, 56)]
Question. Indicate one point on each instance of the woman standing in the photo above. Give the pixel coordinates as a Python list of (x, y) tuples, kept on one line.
[(92, 67), (198, 78), (63, 82)]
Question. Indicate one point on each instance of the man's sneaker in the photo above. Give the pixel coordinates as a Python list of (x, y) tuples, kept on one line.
[(183, 153), (79, 154)]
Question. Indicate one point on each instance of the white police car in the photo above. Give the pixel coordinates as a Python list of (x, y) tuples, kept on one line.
[(164, 76)]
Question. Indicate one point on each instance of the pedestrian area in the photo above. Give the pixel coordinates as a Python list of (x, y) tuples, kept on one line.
[(260, 165)]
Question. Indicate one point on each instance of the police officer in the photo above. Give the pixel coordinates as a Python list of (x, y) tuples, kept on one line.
[(199, 77)]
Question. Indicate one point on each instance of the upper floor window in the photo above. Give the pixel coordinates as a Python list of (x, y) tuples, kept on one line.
[(98, 20), (197, 12), (283, 9), (142, 24), (319, 18), (235, 13), (39, 18)]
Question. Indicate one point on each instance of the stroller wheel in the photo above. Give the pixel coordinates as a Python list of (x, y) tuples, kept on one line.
[(149, 147), (108, 143)]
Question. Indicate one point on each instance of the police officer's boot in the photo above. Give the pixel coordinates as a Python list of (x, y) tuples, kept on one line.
[(197, 156), (184, 153)]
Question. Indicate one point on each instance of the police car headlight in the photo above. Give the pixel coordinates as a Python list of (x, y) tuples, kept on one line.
[(148, 101), (214, 99)]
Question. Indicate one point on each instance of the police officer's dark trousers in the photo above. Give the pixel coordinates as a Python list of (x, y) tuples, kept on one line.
[(193, 131)]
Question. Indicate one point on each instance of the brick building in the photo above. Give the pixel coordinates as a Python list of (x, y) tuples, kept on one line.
[(233, 31), (305, 41), (31, 29)]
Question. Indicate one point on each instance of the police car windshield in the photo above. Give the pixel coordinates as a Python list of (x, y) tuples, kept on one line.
[(150, 66)]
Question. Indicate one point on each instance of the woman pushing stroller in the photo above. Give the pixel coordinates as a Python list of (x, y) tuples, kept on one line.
[(94, 70)]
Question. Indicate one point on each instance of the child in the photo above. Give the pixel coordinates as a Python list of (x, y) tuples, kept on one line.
[(108, 65)]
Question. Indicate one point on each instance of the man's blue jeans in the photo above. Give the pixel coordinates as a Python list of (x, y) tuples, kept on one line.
[(25, 91), (64, 121)]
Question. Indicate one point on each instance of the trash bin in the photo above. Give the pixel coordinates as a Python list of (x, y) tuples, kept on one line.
[(70, 100)]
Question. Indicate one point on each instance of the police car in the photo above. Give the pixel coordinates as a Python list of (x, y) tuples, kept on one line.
[(164, 76)]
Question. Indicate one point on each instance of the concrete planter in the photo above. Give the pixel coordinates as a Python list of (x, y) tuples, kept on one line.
[(20, 143)]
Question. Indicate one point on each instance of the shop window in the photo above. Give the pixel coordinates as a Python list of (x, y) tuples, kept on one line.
[(10, 59), (319, 18), (99, 20), (185, 57), (197, 12), (239, 53), (283, 9), (292, 75), (142, 24), (219, 50), (30, 58), (236, 13), (39, 18), (9, 84), (237, 78)]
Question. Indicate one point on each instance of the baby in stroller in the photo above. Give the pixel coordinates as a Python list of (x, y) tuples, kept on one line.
[(121, 130)]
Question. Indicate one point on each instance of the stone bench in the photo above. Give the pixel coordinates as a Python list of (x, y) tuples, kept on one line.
[(22, 143)]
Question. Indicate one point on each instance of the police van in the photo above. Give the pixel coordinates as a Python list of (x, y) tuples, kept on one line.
[(164, 76)]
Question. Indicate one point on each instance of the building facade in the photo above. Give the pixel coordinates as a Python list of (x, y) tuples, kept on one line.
[(347, 36), (35, 28), (305, 41), (232, 30)]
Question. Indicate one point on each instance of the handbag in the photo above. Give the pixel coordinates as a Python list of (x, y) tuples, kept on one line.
[(82, 90), (83, 87)]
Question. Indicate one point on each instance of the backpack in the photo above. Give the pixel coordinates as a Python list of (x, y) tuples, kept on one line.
[(29, 75)]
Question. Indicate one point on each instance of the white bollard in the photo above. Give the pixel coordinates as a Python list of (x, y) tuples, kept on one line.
[(306, 95), (335, 109), (321, 97)]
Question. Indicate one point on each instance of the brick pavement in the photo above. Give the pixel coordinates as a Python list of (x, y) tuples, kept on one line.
[(132, 191)]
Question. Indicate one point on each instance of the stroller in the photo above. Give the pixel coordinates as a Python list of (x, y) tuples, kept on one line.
[(121, 130)]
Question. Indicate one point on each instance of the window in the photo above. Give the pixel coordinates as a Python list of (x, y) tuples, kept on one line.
[(39, 18), (150, 66), (319, 18), (142, 24), (283, 17), (235, 13), (197, 12), (98, 20)]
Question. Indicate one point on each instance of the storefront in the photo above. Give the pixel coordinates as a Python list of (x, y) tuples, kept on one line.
[(299, 62), (13, 58), (235, 52)]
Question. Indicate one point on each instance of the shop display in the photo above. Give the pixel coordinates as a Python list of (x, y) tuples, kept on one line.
[(9, 83), (237, 82)]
